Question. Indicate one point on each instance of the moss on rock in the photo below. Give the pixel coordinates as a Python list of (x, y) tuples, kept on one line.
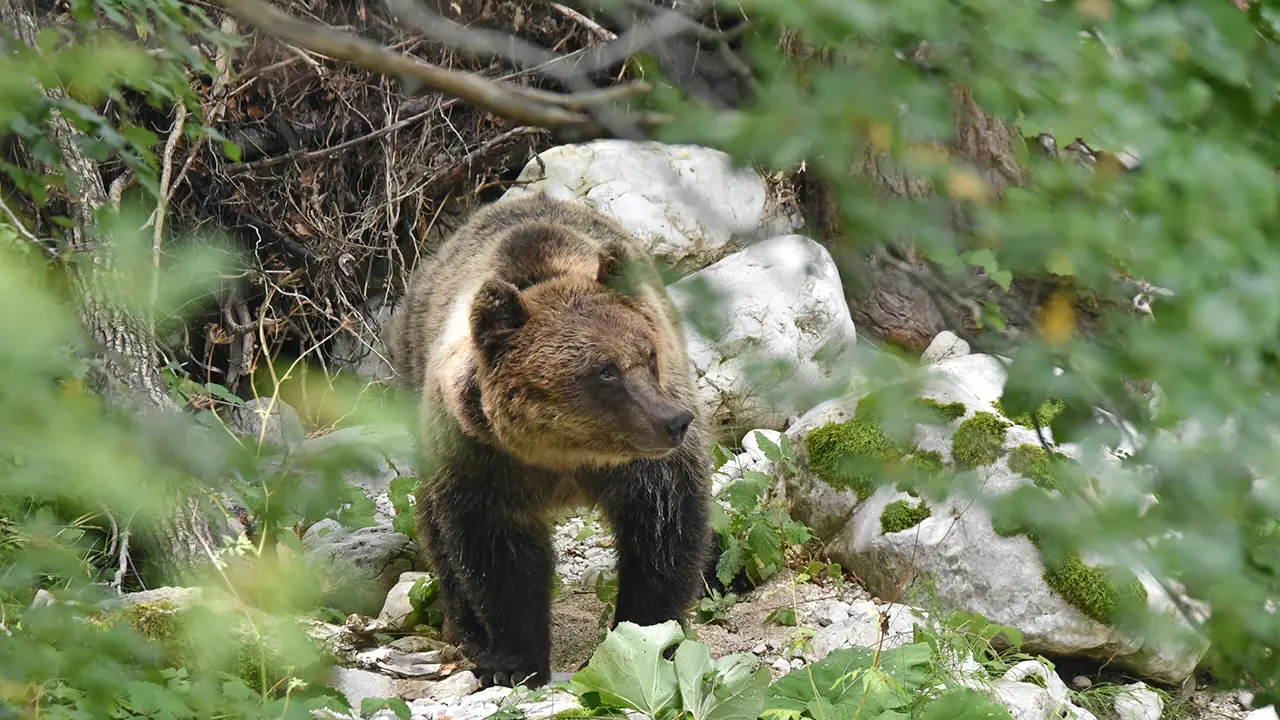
[(978, 441), (1033, 462), (1087, 588), (926, 460), (1090, 590), (899, 515), (1048, 410), (948, 413), (848, 455)]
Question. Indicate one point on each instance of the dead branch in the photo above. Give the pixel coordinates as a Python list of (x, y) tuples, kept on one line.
[(584, 21), (503, 99)]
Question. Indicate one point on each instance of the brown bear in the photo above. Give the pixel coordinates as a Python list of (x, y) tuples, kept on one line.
[(553, 372)]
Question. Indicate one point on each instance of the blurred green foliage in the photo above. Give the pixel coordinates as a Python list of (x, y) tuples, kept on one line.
[(1190, 86)]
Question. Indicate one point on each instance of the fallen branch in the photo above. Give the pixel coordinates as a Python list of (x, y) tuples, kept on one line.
[(525, 106), (584, 21)]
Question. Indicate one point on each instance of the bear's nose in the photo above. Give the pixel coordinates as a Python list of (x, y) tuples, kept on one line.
[(677, 425)]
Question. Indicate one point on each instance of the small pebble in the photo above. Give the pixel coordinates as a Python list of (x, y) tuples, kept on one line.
[(760, 649), (1081, 682), (797, 663), (1245, 698), (781, 665)]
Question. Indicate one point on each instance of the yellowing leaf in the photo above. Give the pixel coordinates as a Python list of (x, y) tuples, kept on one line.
[(966, 185), (881, 137), (1057, 319)]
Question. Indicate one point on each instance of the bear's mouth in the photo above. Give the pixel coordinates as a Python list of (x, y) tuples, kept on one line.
[(656, 453)]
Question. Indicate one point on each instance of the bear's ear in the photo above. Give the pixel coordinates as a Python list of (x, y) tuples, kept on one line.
[(614, 271), (496, 312)]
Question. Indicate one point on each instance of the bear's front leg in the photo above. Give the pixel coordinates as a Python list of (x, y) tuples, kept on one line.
[(660, 512), (496, 546)]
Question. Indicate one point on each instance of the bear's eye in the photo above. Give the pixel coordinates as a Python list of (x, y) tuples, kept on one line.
[(608, 373), (653, 360)]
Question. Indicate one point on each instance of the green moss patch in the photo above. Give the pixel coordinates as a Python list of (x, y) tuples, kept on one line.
[(1033, 462), (1047, 411), (1091, 591), (848, 455), (899, 515), (926, 461), (948, 413), (1086, 588), (978, 441)]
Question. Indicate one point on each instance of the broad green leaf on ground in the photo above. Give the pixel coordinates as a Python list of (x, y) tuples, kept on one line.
[(965, 704), (821, 683), (731, 688), (627, 670), (909, 665), (901, 671)]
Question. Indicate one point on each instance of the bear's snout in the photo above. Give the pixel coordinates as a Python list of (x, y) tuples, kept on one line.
[(677, 426)]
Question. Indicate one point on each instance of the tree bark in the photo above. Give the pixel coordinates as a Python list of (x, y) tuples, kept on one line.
[(886, 297), (129, 375)]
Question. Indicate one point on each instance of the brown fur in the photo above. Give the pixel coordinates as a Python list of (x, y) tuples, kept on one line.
[(551, 363)]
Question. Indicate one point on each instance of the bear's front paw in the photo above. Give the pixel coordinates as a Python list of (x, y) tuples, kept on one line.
[(511, 677)]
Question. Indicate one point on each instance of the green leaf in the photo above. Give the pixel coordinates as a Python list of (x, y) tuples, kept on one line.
[(783, 616), (371, 705), (795, 690), (743, 494), (720, 520), (765, 545), (222, 393), (987, 261), (627, 669), (731, 562), (720, 455), (964, 704), (768, 447), (731, 688)]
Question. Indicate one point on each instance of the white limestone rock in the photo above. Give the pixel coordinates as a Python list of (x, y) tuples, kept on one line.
[(945, 346), (662, 194), (973, 567), (397, 606), (780, 301)]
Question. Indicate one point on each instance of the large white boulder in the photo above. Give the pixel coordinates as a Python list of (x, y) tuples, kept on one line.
[(688, 203), (777, 301), (972, 566)]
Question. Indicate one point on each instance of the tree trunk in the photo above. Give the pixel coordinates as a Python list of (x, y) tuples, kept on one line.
[(129, 376), (886, 297)]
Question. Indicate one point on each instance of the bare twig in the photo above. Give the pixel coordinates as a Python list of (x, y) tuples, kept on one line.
[(117, 583), (382, 131), (166, 192), (584, 21), (506, 100), (23, 231)]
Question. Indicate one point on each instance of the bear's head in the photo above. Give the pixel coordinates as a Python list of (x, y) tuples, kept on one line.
[(574, 372)]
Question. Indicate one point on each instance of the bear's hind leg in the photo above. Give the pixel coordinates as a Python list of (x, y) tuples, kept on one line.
[(462, 626)]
